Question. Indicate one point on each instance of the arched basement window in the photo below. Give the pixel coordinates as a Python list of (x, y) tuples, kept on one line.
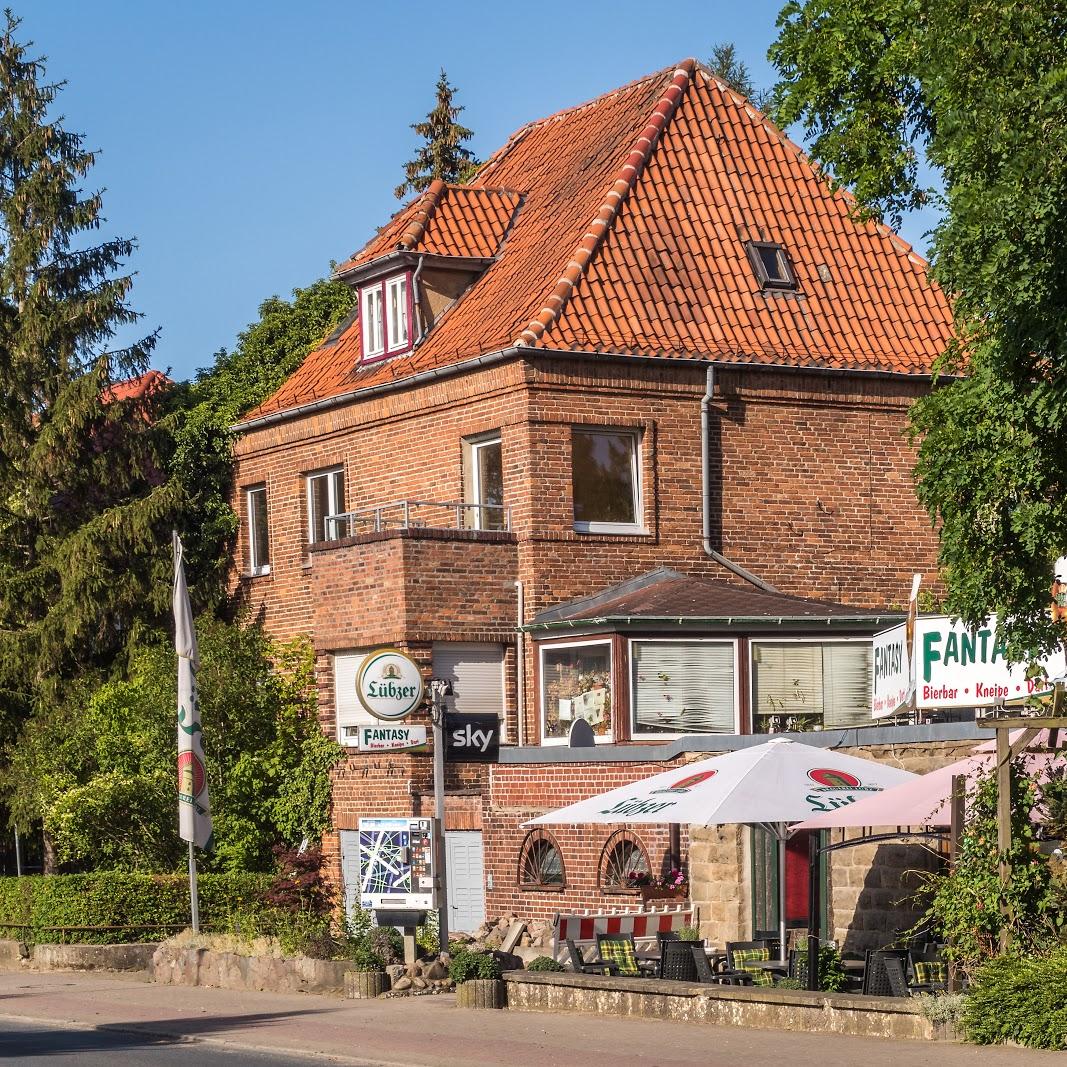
[(624, 858), (541, 862)]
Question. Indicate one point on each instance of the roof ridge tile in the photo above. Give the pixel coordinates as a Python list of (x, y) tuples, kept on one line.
[(625, 180), (420, 218)]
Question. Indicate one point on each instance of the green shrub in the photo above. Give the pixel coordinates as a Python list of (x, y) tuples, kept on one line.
[(150, 906), (386, 942), (363, 959), (467, 965), (545, 963), (832, 976), (689, 933), (1019, 998)]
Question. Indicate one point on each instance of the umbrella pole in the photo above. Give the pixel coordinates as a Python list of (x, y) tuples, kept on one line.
[(781, 832)]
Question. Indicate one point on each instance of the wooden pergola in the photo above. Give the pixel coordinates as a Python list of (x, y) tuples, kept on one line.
[(1007, 750)]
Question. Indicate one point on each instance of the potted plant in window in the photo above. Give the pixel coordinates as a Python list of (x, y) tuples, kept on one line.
[(672, 886)]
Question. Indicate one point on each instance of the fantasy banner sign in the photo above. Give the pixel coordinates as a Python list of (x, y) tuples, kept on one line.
[(960, 668)]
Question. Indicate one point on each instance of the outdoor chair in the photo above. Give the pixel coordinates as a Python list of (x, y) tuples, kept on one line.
[(929, 972), (894, 972), (621, 950), (580, 965), (718, 977), (875, 978), (740, 953), (677, 962)]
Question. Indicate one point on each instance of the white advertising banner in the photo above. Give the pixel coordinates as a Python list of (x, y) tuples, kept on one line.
[(960, 668), (891, 678)]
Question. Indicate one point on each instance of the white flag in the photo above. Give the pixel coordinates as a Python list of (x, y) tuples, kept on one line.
[(194, 808)]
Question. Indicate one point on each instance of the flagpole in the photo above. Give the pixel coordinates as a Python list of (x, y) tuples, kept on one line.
[(194, 900)]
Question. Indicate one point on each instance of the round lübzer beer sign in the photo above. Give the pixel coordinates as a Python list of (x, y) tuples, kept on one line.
[(389, 684)]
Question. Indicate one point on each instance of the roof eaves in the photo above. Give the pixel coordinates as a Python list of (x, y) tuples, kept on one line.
[(770, 619), (624, 183)]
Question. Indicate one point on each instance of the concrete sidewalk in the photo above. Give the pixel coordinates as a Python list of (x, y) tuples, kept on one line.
[(432, 1032)]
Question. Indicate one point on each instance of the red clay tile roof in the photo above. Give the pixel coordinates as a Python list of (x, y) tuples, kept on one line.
[(144, 385), (624, 223), (447, 220)]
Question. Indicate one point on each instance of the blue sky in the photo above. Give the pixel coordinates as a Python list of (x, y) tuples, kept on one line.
[(246, 144)]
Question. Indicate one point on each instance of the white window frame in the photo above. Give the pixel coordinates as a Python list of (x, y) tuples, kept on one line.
[(594, 527), (255, 568), (811, 639), (473, 445), (336, 477), (609, 737), (641, 736), (372, 327), (396, 344)]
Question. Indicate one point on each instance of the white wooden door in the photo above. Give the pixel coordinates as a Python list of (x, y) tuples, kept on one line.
[(350, 870), (465, 869)]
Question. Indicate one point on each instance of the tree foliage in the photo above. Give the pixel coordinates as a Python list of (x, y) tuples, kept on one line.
[(83, 502), (442, 154), (970, 94), (267, 352), (100, 775), (726, 65)]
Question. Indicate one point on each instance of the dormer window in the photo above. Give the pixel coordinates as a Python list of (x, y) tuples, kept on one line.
[(771, 265), (385, 308)]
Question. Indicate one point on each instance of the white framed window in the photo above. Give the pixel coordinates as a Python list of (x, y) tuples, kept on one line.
[(483, 476), (575, 684), (258, 530), (385, 314), (683, 687), (349, 713), (396, 304), (606, 480), (326, 497), (373, 324), (802, 684), (476, 672)]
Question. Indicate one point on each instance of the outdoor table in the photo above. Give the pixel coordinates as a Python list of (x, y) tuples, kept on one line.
[(775, 966)]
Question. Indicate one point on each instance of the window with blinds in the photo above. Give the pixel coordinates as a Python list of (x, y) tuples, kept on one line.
[(476, 673), (683, 687), (800, 685), (349, 712)]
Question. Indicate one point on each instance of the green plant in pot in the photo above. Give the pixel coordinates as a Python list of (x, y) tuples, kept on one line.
[(477, 978), (367, 979), (545, 963)]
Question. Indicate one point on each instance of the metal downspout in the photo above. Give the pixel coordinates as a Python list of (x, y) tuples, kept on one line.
[(705, 488), (520, 665)]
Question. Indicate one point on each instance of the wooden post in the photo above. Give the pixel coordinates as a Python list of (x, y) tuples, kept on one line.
[(955, 833), (1004, 826)]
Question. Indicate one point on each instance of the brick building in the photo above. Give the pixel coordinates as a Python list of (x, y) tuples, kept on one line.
[(614, 433)]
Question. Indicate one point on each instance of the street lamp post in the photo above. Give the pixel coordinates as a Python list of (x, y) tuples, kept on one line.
[(439, 689)]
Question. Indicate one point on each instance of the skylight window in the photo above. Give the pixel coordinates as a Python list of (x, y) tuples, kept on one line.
[(771, 265)]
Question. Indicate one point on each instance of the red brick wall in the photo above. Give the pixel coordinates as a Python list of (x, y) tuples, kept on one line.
[(811, 489), (522, 791)]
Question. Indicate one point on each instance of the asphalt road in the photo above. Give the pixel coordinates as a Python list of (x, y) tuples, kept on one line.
[(37, 1045)]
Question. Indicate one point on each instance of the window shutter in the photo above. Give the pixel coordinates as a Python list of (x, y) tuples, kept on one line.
[(683, 687), (477, 676), (847, 684), (350, 713)]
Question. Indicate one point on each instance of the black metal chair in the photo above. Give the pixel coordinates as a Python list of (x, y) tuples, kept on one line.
[(929, 971), (580, 965), (741, 955), (894, 972), (875, 977), (706, 974), (677, 960), (621, 950)]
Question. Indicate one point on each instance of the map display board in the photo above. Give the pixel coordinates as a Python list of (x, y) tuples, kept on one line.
[(396, 863)]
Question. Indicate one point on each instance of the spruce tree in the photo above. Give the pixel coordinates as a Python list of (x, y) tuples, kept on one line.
[(728, 67), (84, 507), (442, 154)]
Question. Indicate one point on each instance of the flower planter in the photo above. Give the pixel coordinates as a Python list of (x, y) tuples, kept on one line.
[(649, 893), (365, 985), (481, 993)]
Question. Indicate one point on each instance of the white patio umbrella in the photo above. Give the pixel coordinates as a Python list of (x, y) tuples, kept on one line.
[(769, 785)]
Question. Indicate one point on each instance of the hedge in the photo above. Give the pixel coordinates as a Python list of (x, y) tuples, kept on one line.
[(42, 906), (1021, 999)]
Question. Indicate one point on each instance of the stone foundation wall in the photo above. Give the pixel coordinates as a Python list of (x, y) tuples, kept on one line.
[(227, 970), (770, 1009), (77, 957)]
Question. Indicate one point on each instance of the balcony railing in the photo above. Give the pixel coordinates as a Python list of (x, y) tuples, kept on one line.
[(418, 515)]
